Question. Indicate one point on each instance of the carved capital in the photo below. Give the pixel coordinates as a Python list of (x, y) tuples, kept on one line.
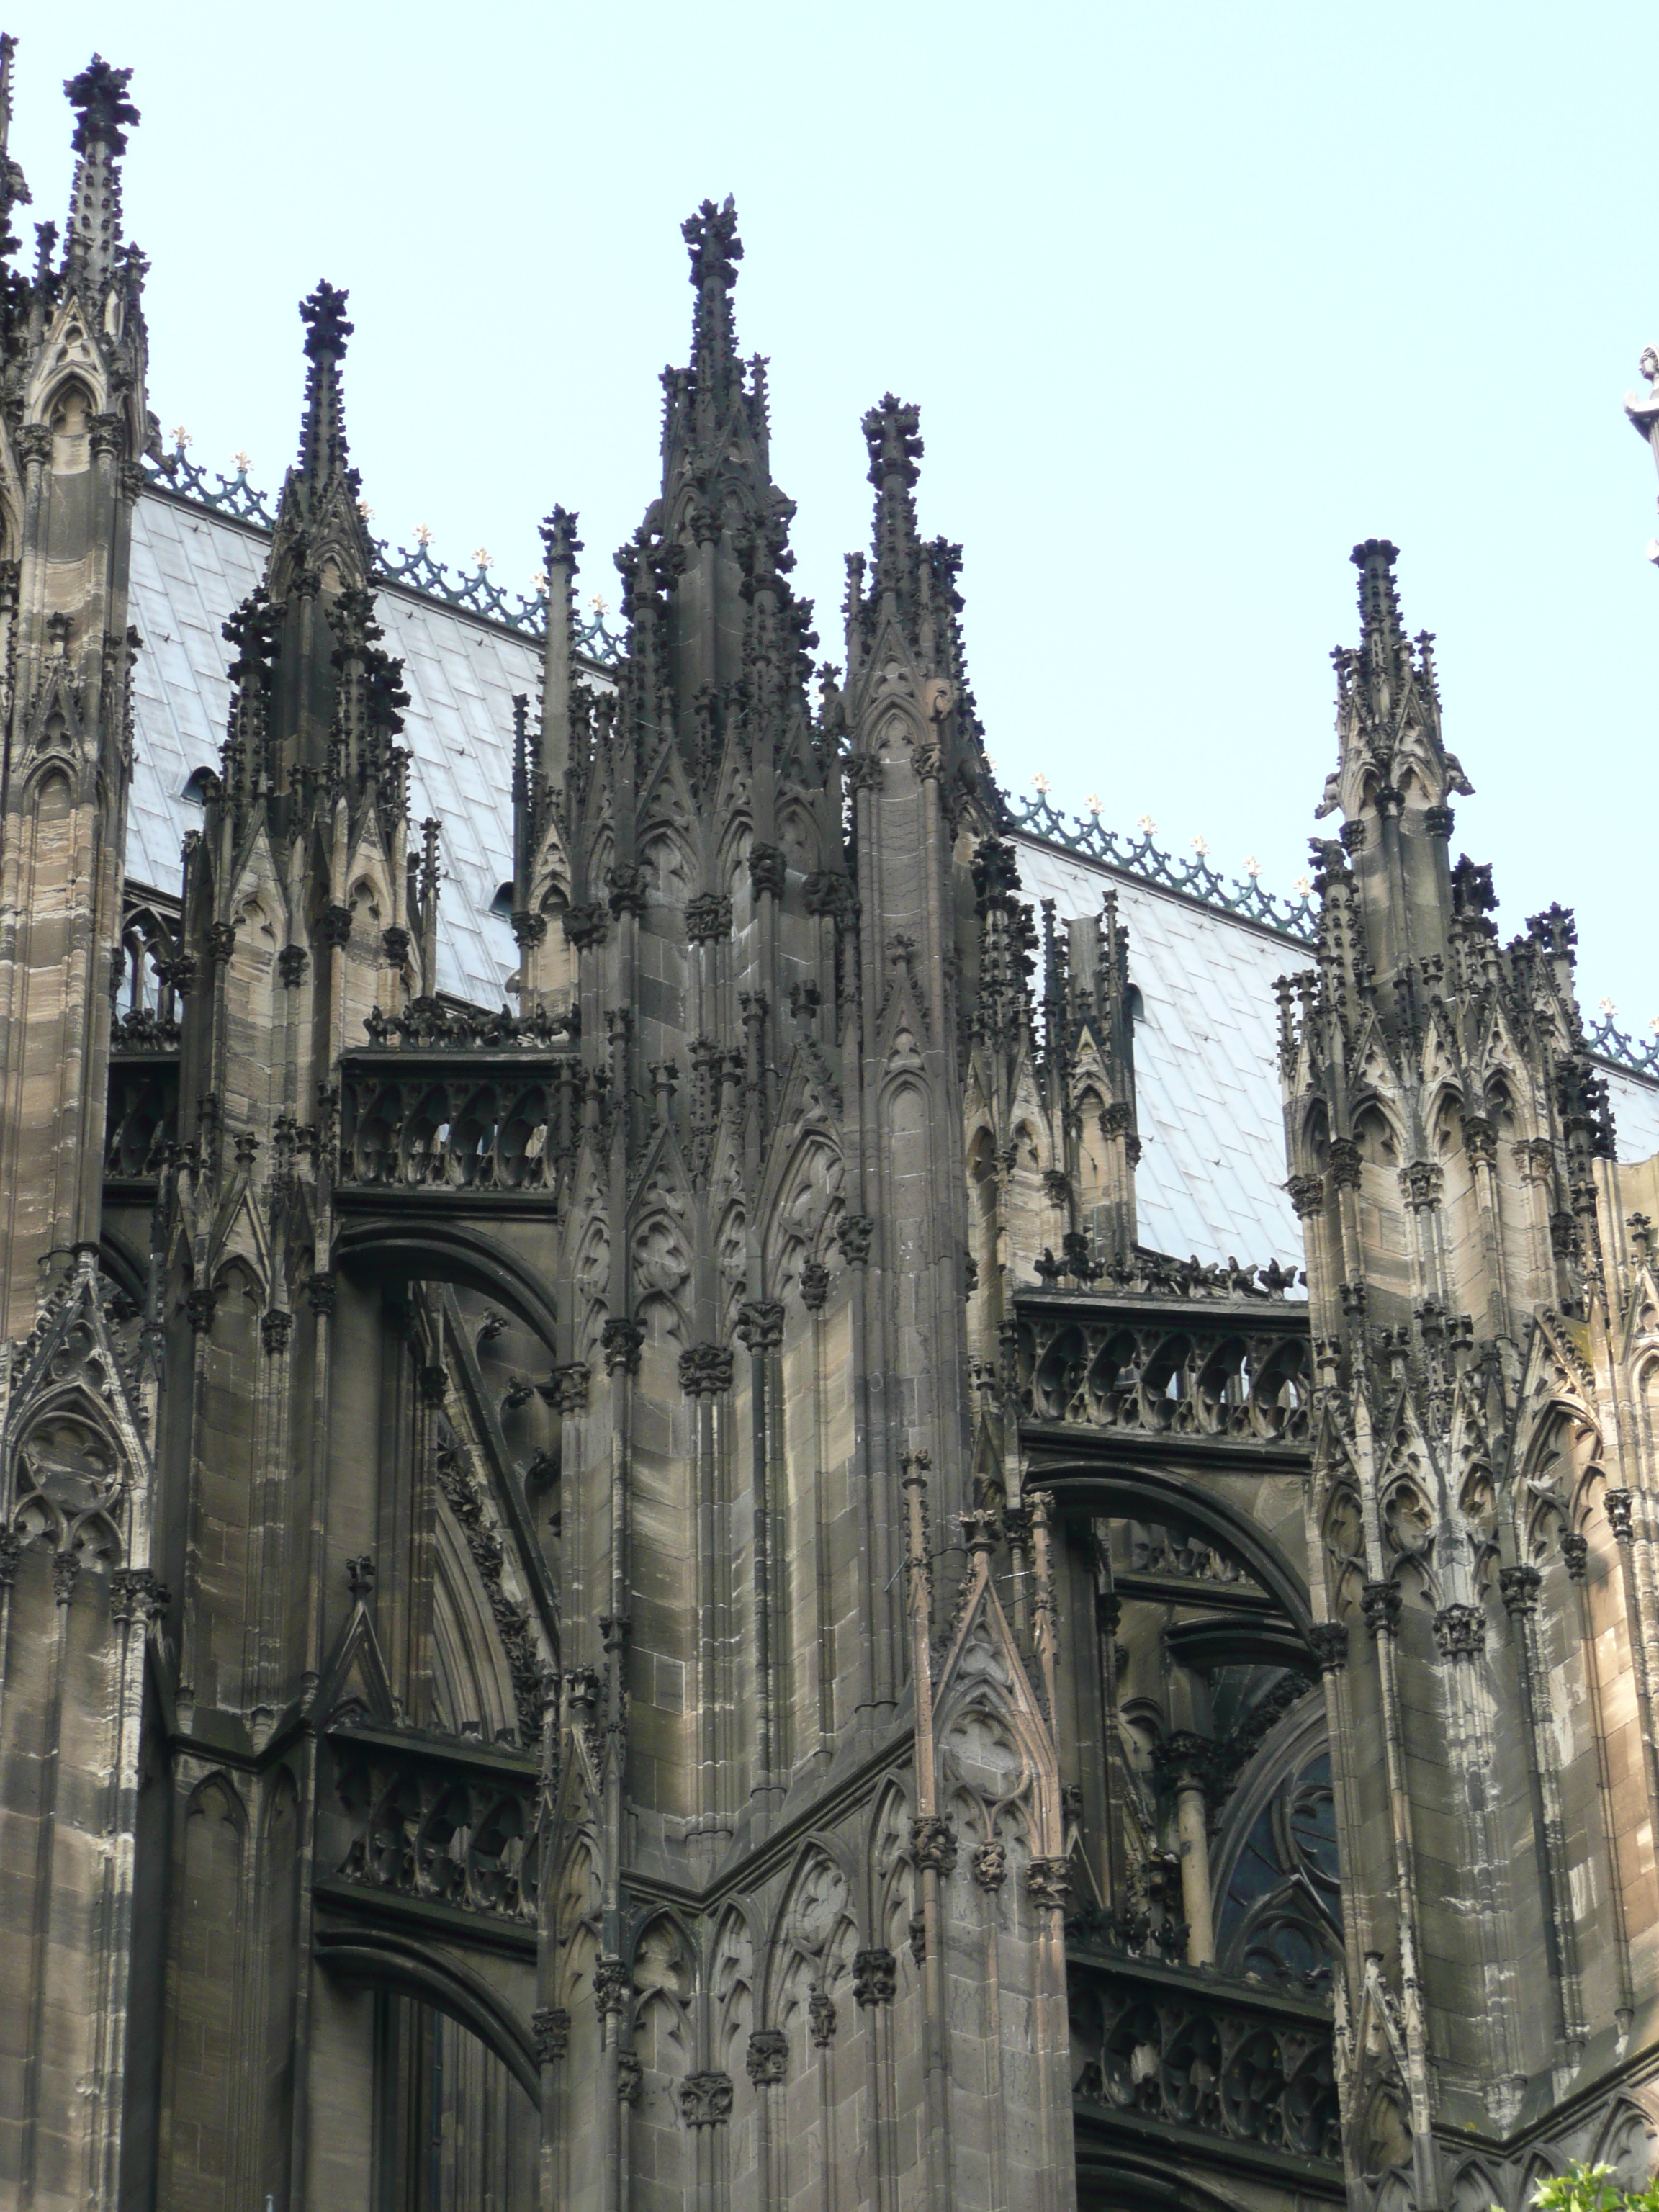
[(990, 1865), (334, 925), (622, 1341), (854, 1233), (1048, 1882), (767, 868), (221, 943), (875, 1977), (65, 1573), (1519, 1587), (1185, 1761), (1437, 822), (1620, 1514), (708, 916), (291, 966), (549, 2027), (625, 887), (275, 1330), (34, 444), (435, 1384), (359, 1578), (528, 929), (199, 1304), (1353, 834), (829, 893), (585, 925), (136, 1594), (1575, 1551), (1307, 1194), (1330, 1643), (706, 1369), (760, 1324), (1343, 1163), (569, 1385), (1420, 1184), (319, 1290), (705, 2100), (863, 771), (612, 1985), (821, 2018), (933, 1842), (1480, 1140), (395, 943), (1380, 1603), (768, 2059), (1460, 1631), (814, 1285), (630, 2077)]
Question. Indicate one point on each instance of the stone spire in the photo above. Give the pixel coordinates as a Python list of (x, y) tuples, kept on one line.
[(711, 234), (892, 431), (14, 189), (99, 97), (319, 498)]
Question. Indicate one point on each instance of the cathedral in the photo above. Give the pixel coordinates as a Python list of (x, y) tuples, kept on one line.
[(734, 1478)]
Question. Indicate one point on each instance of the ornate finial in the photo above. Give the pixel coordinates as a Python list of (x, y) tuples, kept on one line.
[(324, 318), (1379, 601), (559, 540), (892, 432), (99, 97), (712, 235)]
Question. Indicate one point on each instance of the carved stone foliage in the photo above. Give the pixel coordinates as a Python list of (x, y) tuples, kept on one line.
[(705, 2100), (457, 1831), (1204, 2060), (1211, 1375), (445, 1127), (465, 1495)]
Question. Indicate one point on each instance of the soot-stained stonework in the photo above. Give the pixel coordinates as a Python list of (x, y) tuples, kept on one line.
[(952, 1522)]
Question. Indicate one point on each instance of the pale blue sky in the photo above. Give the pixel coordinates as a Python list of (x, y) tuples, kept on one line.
[(1191, 299)]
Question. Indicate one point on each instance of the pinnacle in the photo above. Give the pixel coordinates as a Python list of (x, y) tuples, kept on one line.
[(1379, 600), (712, 236), (324, 318), (98, 96)]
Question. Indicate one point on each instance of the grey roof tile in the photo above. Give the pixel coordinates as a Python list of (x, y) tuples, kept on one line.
[(1212, 1175)]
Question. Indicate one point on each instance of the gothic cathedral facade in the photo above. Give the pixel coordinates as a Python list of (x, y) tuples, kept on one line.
[(671, 1594)]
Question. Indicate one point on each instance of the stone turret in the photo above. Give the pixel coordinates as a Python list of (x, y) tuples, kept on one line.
[(1443, 1124)]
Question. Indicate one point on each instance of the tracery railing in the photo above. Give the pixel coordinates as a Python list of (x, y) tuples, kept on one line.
[(448, 1825), (1210, 1373), (414, 1120), (1163, 2043), (1139, 856), (416, 569)]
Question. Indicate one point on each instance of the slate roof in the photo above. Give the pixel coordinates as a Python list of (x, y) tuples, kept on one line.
[(1212, 1170), (189, 569)]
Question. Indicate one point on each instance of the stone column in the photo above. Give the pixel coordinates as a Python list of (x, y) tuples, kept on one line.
[(1186, 1761)]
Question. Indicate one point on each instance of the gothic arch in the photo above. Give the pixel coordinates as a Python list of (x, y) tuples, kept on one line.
[(378, 1959), (437, 1252), (1088, 1490)]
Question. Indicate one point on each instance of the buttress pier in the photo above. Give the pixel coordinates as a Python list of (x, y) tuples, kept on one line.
[(655, 1555)]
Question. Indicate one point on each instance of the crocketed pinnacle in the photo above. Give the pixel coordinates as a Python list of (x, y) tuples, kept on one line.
[(99, 97), (711, 235), (322, 434), (14, 189), (892, 432)]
